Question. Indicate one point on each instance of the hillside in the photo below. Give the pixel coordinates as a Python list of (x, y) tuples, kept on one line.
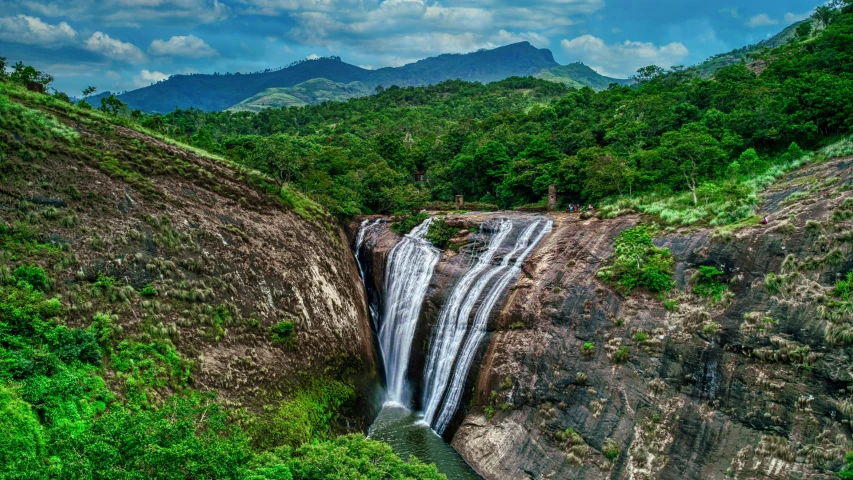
[(578, 75), (711, 65), (164, 314), (220, 92), (317, 90)]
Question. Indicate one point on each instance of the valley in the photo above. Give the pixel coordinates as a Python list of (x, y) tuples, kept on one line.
[(474, 266)]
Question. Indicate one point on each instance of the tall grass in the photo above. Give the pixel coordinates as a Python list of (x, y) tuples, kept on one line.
[(678, 209)]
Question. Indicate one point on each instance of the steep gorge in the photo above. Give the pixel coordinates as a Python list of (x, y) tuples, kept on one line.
[(754, 385)]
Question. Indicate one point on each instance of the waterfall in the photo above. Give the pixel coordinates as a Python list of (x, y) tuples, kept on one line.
[(505, 275), (408, 272), (359, 241), (453, 322)]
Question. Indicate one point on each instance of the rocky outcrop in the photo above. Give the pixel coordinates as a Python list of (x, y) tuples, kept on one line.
[(226, 259), (751, 386)]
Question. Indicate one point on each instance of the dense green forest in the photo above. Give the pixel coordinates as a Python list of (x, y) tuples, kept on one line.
[(505, 142)]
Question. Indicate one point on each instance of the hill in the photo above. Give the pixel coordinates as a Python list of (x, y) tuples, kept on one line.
[(219, 92), (711, 65), (579, 75), (317, 90)]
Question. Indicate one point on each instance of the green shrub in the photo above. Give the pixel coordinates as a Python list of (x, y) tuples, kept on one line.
[(403, 224), (148, 291), (610, 449), (489, 411), (621, 355), (671, 305), (33, 276), (637, 262), (355, 457), (440, 233), (641, 336), (282, 332), (588, 348), (706, 283)]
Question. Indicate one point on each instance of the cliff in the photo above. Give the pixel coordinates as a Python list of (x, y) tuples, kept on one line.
[(752, 386), (188, 250)]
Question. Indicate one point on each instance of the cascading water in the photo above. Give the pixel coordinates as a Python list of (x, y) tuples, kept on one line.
[(478, 329), (453, 322), (408, 272), (365, 227)]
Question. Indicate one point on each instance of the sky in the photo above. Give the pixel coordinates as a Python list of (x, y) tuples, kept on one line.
[(126, 44)]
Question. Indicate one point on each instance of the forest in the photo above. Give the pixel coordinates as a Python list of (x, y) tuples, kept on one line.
[(672, 134)]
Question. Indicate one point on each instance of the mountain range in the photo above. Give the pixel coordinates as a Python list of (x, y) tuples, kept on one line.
[(315, 81)]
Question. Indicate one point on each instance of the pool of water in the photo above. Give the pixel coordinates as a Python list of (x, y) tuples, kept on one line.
[(401, 428)]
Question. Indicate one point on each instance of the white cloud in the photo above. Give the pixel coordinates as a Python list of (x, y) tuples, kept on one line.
[(622, 59), (396, 31), (114, 49), (33, 31), (313, 56), (762, 20), (147, 77), (791, 17), (183, 46)]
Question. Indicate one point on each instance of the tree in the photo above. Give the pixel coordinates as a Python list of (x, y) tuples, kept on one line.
[(751, 162), (824, 15), (89, 91), (3, 73), (25, 74), (647, 74), (606, 173), (697, 154), (113, 105), (804, 30)]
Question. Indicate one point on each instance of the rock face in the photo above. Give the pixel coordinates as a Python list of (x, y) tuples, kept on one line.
[(227, 261), (751, 386)]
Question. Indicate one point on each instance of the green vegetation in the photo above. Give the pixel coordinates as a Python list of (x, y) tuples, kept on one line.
[(706, 283), (440, 233), (641, 336), (282, 332), (588, 348), (621, 354), (610, 449), (403, 224), (637, 262), (678, 144)]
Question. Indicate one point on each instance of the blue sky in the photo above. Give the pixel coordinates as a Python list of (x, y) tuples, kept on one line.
[(126, 44)]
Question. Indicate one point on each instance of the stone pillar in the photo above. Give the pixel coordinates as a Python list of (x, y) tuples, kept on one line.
[(460, 202), (552, 197)]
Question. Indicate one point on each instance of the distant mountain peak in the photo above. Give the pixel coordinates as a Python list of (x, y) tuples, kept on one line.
[(220, 92)]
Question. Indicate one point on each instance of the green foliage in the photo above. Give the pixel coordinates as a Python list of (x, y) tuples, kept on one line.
[(671, 305), (148, 291), (588, 348), (113, 106), (637, 262), (282, 332), (354, 457), (307, 416), (24, 74), (610, 449), (33, 276), (843, 288), (440, 233), (621, 354), (641, 336), (706, 283), (403, 224)]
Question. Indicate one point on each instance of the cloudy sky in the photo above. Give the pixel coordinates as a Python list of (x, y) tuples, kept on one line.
[(125, 44)]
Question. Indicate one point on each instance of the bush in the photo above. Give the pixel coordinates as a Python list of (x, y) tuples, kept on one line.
[(706, 283), (641, 336), (440, 233), (588, 348), (637, 262), (610, 449), (282, 332), (356, 457), (148, 291), (621, 354), (33, 276), (406, 223)]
